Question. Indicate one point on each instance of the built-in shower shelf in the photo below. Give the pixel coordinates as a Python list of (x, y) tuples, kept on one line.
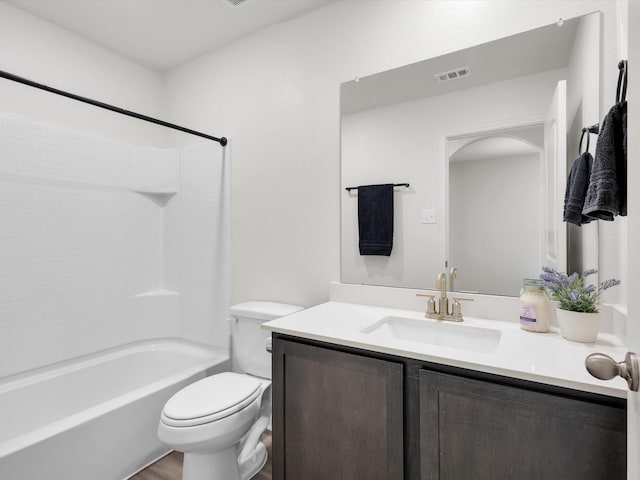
[(159, 198), (159, 307), (156, 173), (157, 293)]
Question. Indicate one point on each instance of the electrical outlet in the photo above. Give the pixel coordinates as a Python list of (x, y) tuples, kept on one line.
[(428, 215)]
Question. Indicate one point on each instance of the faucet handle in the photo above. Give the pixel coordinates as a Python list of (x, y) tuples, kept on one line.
[(456, 308), (453, 275), (431, 303)]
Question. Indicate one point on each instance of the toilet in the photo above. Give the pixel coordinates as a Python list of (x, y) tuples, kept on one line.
[(218, 420)]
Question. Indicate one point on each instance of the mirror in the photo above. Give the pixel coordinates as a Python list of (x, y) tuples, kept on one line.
[(483, 137), (506, 162)]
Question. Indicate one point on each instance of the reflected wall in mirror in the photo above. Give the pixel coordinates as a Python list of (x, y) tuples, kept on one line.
[(404, 125), (486, 172)]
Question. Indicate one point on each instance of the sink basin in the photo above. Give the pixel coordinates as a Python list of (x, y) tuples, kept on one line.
[(435, 332)]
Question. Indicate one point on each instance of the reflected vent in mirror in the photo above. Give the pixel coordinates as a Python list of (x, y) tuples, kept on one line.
[(452, 74), (237, 3)]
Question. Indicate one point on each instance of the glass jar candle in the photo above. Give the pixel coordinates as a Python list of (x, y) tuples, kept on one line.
[(535, 307)]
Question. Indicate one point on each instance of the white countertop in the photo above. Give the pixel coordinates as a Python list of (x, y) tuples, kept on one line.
[(539, 357)]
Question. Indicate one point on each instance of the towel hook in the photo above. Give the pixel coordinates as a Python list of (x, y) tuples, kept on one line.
[(622, 81), (588, 130), (584, 130)]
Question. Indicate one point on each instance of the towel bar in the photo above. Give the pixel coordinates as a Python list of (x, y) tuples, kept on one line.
[(348, 189)]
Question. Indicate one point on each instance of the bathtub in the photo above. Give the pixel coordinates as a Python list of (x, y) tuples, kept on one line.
[(96, 416)]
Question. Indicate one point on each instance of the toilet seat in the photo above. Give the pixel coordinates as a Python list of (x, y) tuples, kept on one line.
[(211, 399)]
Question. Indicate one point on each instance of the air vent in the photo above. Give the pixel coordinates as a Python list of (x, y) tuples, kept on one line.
[(452, 74), (237, 3)]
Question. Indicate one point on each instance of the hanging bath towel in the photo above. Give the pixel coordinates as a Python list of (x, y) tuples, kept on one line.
[(577, 185), (375, 219), (607, 193)]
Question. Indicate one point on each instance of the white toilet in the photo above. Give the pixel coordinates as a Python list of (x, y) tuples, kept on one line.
[(217, 421)]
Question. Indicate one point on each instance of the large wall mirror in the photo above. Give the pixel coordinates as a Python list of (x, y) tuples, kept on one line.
[(484, 137)]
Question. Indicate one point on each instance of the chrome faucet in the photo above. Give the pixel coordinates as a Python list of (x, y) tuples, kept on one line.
[(442, 311)]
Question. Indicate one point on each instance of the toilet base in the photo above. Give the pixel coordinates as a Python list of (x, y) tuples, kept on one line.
[(222, 465), (253, 465)]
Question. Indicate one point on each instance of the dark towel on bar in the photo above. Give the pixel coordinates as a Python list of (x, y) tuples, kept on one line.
[(576, 191), (375, 219), (607, 193)]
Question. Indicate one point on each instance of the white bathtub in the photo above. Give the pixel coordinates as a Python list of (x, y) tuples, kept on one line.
[(95, 417)]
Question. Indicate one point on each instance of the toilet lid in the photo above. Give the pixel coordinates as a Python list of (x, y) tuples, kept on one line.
[(211, 399)]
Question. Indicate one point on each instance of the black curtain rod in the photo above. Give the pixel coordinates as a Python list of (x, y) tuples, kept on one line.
[(348, 189), (9, 76)]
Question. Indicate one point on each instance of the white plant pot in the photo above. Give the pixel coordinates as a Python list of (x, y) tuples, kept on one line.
[(579, 326)]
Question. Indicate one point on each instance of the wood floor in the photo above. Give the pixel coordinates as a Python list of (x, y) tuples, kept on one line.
[(170, 467)]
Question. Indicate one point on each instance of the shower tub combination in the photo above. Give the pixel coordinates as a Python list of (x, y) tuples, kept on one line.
[(96, 416)]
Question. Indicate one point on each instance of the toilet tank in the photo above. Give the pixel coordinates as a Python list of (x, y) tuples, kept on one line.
[(249, 339)]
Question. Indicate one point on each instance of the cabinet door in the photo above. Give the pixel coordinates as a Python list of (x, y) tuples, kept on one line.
[(470, 429), (335, 415)]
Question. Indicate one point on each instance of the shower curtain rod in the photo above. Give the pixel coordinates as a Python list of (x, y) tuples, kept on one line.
[(9, 76)]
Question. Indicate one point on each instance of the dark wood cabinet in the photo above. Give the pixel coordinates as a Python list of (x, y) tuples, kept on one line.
[(485, 431), (351, 414), (336, 415)]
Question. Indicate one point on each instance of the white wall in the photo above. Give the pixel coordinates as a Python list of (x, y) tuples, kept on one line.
[(40, 51), (583, 85), (275, 94), (405, 143), (490, 194)]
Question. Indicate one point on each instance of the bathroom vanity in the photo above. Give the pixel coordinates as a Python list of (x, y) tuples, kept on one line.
[(362, 392)]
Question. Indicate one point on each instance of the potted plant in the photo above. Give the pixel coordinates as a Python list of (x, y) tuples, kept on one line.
[(578, 315)]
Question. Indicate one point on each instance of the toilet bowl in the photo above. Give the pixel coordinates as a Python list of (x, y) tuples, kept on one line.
[(218, 421), (208, 419)]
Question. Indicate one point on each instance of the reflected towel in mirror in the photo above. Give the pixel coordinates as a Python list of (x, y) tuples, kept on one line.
[(375, 219)]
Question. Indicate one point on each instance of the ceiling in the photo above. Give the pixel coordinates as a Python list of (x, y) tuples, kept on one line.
[(530, 52), (163, 34)]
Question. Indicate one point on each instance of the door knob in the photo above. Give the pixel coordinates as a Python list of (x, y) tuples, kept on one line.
[(605, 368)]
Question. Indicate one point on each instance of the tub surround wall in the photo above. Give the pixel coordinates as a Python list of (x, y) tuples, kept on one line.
[(125, 258), (197, 249), (84, 247)]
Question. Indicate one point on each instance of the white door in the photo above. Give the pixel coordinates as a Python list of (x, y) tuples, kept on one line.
[(554, 243), (632, 234), (633, 327), (633, 237)]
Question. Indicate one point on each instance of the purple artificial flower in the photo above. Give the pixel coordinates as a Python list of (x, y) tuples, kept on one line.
[(573, 278), (590, 289), (609, 283), (571, 293)]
